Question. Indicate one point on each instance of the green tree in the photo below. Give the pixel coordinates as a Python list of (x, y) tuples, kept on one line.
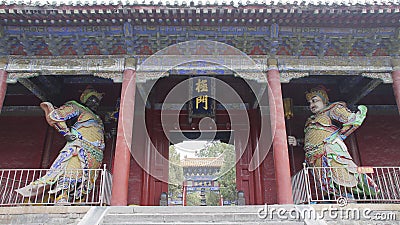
[(212, 198), (212, 149), (193, 199), (227, 173), (175, 177)]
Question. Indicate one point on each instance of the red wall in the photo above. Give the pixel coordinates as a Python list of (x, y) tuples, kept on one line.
[(269, 179), (379, 141), (136, 172), (295, 127), (135, 183), (21, 141)]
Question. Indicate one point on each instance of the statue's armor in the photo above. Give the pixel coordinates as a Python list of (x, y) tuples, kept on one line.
[(88, 126)]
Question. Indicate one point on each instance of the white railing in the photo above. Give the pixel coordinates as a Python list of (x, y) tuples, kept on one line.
[(94, 193), (315, 184), (299, 188)]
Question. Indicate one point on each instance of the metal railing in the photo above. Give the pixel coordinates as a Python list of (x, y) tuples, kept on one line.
[(299, 188), (331, 184), (96, 190)]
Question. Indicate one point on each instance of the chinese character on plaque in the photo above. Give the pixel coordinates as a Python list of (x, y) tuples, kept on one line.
[(201, 92)]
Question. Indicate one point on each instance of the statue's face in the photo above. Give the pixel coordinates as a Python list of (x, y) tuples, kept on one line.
[(316, 104), (93, 103)]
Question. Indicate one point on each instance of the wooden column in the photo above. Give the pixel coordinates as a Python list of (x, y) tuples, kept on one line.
[(3, 86), (122, 159), (396, 81), (354, 152), (45, 164), (280, 147)]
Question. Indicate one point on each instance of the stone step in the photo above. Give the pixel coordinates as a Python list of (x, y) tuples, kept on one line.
[(201, 223), (196, 223), (245, 215), (197, 209), (190, 209), (170, 218)]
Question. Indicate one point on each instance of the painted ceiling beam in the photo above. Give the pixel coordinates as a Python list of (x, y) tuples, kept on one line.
[(365, 90), (51, 84), (298, 110), (35, 89), (37, 111)]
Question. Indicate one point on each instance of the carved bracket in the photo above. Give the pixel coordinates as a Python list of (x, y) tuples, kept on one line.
[(65, 65), (26, 67), (287, 76), (13, 77), (385, 77), (116, 77)]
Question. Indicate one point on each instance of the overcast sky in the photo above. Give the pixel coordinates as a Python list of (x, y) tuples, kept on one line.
[(189, 148)]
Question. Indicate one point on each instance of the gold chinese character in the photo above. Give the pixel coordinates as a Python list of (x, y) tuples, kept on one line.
[(202, 99), (201, 86)]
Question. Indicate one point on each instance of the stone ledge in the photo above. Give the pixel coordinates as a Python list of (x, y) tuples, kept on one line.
[(43, 209)]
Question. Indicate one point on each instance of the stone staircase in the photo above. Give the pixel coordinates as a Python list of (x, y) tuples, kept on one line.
[(199, 215), (326, 214)]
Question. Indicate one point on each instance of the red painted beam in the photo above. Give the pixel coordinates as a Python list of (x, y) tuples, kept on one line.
[(121, 167), (281, 156), (396, 87), (3, 86)]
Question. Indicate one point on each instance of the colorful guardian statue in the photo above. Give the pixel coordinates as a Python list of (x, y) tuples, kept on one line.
[(325, 131), (69, 178)]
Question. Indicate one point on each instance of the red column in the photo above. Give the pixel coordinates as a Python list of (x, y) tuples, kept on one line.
[(396, 81), (281, 156), (3, 86), (122, 159)]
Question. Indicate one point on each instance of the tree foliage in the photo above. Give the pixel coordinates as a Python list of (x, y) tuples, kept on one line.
[(212, 198), (227, 174), (175, 178), (212, 149), (193, 199)]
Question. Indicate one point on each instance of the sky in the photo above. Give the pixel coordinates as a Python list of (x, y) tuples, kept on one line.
[(189, 148)]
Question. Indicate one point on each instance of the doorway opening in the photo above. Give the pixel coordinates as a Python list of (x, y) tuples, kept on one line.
[(202, 172)]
